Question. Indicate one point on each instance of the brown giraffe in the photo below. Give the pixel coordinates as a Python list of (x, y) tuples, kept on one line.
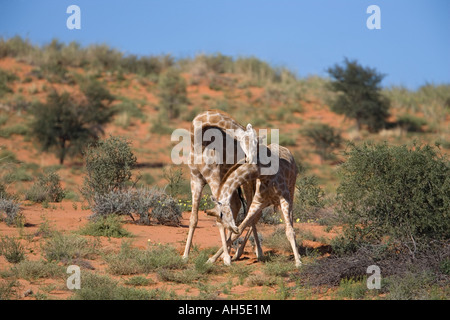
[(277, 189), (211, 173)]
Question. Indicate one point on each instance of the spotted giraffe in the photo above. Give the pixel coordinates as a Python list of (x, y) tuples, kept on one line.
[(203, 173), (276, 189)]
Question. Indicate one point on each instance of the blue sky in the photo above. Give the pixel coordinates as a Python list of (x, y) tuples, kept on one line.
[(411, 48)]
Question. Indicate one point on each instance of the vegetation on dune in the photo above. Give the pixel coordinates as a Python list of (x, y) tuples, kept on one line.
[(384, 199)]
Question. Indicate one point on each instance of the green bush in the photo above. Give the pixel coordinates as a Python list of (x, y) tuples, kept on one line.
[(5, 79), (102, 287), (33, 270), (47, 188), (66, 248), (359, 94), (397, 193), (12, 249), (324, 138), (308, 199), (411, 123), (130, 260), (108, 167), (109, 226)]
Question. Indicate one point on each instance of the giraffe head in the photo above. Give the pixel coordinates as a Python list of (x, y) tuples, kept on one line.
[(223, 213), (249, 143)]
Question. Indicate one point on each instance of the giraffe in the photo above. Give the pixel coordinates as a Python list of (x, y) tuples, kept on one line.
[(211, 173), (277, 189)]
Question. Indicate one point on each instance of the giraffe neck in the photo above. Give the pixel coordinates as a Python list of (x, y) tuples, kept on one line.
[(217, 119), (241, 173)]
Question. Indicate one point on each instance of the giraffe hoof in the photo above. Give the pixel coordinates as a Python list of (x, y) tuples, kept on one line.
[(227, 261)]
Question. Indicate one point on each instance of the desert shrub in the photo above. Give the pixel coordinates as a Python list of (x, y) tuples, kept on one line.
[(176, 183), (146, 203), (130, 260), (10, 212), (411, 123), (352, 289), (33, 270), (166, 210), (129, 107), (9, 289), (324, 138), (396, 192), (309, 198), (5, 79), (67, 248), (216, 63), (138, 281), (261, 72), (114, 202), (146, 65), (108, 226), (47, 188), (278, 266), (3, 193), (159, 127), (108, 166), (102, 287), (12, 249), (18, 129), (15, 47), (172, 93)]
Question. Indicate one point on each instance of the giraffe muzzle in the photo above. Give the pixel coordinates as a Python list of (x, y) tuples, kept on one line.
[(234, 229)]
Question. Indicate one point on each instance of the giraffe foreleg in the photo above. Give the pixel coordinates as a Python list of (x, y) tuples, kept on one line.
[(196, 189)]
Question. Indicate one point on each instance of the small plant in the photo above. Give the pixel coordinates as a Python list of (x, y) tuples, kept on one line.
[(108, 226), (130, 260), (66, 248), (349, 288), (8, 289), (309, 197), (175, 180), (46, 189), (33, 270), (102, 287), (139, 281), (12, 249), (11, 209), (167, 211), (278, 266)]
